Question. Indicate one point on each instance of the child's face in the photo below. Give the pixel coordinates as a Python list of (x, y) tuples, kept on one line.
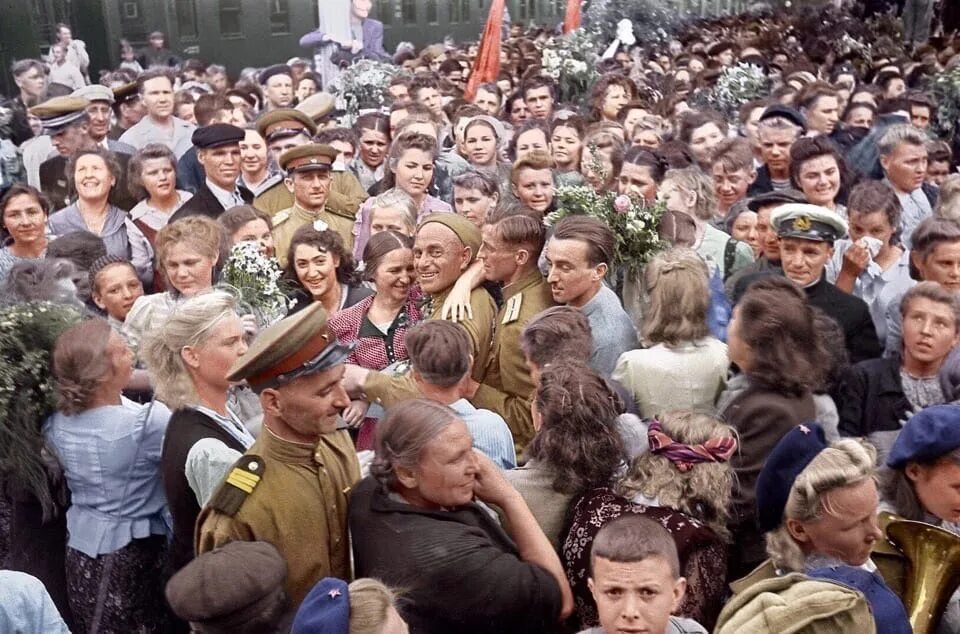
[(636, 596)]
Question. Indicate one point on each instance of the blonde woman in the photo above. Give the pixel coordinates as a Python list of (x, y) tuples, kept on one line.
[(189, 357), (682, 366), (372, 607), (817, 504), (690, 191), (684, 483)]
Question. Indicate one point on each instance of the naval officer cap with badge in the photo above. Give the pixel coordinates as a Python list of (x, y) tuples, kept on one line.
[(807, 233)]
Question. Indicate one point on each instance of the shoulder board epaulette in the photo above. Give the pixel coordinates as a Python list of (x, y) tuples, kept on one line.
[(280, 216), (240, 483), (511, 312)]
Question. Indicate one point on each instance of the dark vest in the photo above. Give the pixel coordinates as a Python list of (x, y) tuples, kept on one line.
[(186, 427)]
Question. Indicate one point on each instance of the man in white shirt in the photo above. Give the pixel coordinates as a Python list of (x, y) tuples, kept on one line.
[(159, 125), (903, 157)]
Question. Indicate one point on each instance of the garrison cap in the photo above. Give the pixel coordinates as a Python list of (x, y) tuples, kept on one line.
[(311, 157), (216, 135), (319, 106), (776, 197), (94, 92), (789, 457), (297, 346), (467, 231), (285, 120), (273, 71), (930, 434), (126, 92), (59, 112), (808, 222)]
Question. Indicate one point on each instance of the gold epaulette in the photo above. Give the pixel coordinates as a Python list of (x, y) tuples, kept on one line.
[(240, 483)]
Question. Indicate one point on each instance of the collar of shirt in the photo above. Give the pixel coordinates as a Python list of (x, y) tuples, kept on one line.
[(227, 199), (231, 424)]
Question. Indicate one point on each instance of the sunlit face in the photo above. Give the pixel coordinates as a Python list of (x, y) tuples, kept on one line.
[(221, 165), (540, 102), (499, 260), (316, 270), (937, 486), (473, 204), (99, 116), (488, 102), (745, 229), (310, 189), (535, 189), (373, 147), (775, 148), (573, 280), (92, 177), (414, 172), (906, 166), (859, 117), (823, 114), (157, 97), (519, 111), (439, 257), (259, 233), (210, 362), (159, 178), (566, 145), (847, 527), (767, 234), (24, 219), (390, 219), (253, 153), (819, 179), (929, 332), (703, 140), (306, 87), (637, 181), (115, 290), (636, 596), (446, 472), (615, 98), (804, 260), (480, 143), (188, 271), (279, 91), (730, 186), (395, 274), (532, 141)]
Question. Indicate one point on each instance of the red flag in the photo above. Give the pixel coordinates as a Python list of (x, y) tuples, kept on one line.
[(487, 65), (572, 20)]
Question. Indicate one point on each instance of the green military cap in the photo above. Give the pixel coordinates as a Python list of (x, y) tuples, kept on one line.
[(286, 119), (467, 231), (126, 92), (808, 222), (296, 346), (59, 112), (308, 158)]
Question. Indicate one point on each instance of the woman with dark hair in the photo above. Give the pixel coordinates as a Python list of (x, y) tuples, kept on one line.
[(566, 141), (489, 98), (641, 174), (92, 174), (771, 338), (414, 524), (152, 179), (246, 223), (23, 216), (818, 170), (576, 446), (322, 270), (532, 135), (109, 448), (516, 109), (373, 130), (611, 93), (476, 195), (378, 323)]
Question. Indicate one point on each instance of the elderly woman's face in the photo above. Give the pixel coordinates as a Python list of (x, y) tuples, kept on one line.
[(92, 177), (446, 472)]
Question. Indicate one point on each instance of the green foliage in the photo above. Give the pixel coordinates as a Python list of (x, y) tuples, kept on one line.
[(946, 89), (363, 86), (571, 60), (736, 86)]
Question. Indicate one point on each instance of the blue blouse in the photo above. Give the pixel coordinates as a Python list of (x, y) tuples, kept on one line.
[(111, 459)]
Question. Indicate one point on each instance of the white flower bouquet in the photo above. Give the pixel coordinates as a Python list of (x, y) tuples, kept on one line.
[(571, 60), (736, 86), (363, 86), (257, 280)]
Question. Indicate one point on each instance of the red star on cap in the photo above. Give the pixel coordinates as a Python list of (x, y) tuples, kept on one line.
[(804, 429)]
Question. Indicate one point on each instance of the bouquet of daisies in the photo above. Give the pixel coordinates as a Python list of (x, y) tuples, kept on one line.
[(736, 86), (257, 280), (635, 224), (571, 60), (655, 22), (363, 86), (946, 89)]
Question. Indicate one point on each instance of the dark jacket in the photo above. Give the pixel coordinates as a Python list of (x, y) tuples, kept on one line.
[(54, 183), (459, 570), (761, 417), (301, 299), (186, 427), (190, 174), (204, 203), (871, 402), (763, 184), (852, 314)]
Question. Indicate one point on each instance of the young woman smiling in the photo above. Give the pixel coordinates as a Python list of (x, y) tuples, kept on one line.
[(23, 214), (322, 269)]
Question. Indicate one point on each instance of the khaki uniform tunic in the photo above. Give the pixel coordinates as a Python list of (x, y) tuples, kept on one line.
[(299, 505), (345, 197), (286, 223), (506, 387), (389, 390)]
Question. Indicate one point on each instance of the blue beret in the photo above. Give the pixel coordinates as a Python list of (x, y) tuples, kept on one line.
[(217, 134), (325, 610), (931, 433), (789, 457), (888, 611)]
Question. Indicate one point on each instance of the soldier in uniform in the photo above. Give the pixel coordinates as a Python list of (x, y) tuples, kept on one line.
[(291, 488), (284, 129), (308, 178), (509, 254), (445, 246)]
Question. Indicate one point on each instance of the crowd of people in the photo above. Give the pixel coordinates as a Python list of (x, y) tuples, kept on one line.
[(464, 415)]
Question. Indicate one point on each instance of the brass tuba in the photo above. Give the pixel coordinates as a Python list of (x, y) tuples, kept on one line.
[(921, 563)]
